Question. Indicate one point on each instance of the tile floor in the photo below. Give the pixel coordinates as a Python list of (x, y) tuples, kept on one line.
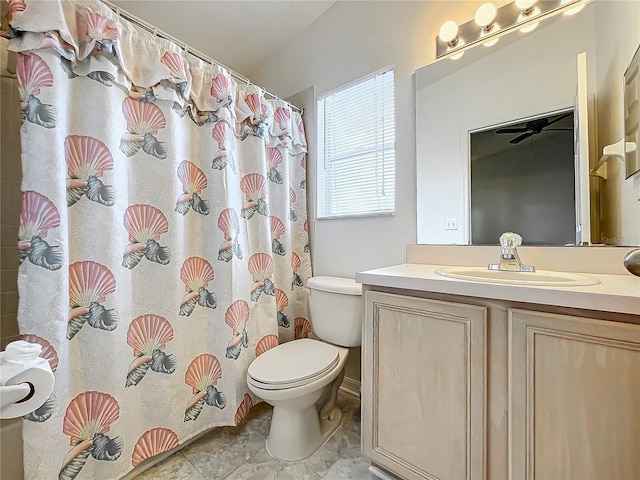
[(239, 453)]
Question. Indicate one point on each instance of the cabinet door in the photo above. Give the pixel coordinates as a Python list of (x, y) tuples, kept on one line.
[(574, 398), (424, 387)]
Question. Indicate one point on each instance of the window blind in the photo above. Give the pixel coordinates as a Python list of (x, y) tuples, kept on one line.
[(356, 149)]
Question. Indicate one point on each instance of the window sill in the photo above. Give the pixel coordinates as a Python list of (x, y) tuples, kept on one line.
[(357, 215)]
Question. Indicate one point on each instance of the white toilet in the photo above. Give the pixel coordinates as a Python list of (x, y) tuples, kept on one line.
[(301, 378)]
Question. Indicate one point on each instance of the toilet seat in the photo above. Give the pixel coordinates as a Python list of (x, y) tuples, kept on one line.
[(292, 364)]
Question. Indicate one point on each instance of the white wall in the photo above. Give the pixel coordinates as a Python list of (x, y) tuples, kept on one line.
[(351, 40), (621, 198)]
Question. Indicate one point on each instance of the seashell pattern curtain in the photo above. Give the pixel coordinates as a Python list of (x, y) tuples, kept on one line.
[(162, 240)]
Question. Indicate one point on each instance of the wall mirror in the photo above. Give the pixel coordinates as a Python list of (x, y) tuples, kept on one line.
[(522, 78)]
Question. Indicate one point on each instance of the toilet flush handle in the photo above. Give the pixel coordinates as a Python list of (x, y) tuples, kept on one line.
[(307, 290)]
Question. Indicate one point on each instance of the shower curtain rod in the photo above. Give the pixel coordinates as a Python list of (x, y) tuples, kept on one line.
[(196, 53)]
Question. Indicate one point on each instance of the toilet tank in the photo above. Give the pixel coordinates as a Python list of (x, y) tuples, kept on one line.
[(336, 310)]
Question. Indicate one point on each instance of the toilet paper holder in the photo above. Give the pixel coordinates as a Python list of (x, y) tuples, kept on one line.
[(20, 363), (10, 394)]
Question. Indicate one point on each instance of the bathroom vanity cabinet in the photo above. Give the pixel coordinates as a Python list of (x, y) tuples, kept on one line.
[(413, 347), (574, 397), (459, 385)]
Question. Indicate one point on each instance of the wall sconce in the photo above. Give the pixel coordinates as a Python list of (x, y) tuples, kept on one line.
[(490, 23)]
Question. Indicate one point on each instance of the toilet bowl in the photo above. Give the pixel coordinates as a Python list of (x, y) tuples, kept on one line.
[(301, 378)]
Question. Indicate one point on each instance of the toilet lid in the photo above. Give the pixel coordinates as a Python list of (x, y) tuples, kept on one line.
[(293, 364)]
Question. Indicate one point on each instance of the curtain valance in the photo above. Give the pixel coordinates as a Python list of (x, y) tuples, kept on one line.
[(94, 41)]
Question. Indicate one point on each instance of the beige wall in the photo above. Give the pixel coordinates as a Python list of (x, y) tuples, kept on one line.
[(10, 178)]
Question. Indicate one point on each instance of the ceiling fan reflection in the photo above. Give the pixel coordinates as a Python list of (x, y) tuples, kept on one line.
[(533, 127)]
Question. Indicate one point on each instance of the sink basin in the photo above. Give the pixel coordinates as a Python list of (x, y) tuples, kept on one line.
[(539, 277)]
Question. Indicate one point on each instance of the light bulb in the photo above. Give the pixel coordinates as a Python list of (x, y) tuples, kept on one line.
[(457, 56), (525, 6), (485, 15), (528, 13), (448, 33)]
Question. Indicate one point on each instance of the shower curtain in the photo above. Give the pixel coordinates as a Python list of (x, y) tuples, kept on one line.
[(163, 240)]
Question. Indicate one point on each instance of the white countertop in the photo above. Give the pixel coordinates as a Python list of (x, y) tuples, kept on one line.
[(614, 293)]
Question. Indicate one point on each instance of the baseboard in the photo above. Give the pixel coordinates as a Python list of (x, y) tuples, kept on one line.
[(350, 386)]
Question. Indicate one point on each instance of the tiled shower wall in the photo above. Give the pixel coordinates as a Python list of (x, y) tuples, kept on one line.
[(10, 179)]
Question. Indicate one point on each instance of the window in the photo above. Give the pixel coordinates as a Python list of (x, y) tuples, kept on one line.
[(356, 149)]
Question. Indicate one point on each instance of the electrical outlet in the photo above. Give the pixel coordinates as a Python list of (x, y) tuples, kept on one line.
[(452, 223)]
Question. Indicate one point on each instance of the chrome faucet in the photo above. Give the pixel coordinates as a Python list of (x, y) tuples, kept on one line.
[(509, 258)]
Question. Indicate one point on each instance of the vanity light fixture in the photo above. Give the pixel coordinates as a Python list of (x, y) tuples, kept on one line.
[(490, 23), (526, 6), (527, 9), (448, 33), (485, 16)]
